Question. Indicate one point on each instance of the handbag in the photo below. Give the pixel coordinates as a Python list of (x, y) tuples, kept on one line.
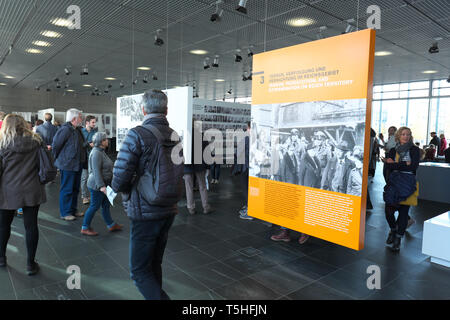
[(412, 199)]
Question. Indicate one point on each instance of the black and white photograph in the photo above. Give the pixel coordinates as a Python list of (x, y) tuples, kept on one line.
[(318, 144)]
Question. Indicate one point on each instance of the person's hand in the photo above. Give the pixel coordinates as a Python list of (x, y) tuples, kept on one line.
[(49, 147), (408, 163), (103, 189)]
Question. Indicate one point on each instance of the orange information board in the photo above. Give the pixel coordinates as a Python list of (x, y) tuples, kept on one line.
[(310, 137)]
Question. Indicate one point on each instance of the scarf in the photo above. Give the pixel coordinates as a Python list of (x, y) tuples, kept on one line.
[(403, 149)]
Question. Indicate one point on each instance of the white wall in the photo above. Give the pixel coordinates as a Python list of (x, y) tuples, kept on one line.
[(26, 100)]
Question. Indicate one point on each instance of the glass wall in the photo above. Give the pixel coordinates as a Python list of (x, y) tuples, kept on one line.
[(424, 106)]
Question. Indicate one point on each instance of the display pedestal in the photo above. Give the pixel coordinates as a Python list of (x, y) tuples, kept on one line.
[(433, 180), (436, 239)]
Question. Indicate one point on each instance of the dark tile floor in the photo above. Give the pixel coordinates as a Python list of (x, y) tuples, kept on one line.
[(219, 256)]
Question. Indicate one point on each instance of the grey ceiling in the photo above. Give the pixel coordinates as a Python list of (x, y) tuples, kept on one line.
[(117, 36)]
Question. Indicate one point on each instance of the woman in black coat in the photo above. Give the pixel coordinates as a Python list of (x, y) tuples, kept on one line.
[(20, 186), (408, 162)]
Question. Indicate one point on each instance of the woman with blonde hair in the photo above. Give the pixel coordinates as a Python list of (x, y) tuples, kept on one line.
[(20, 185), (401, 162)]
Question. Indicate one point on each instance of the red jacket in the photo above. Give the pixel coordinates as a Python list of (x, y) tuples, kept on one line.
[(441, 149), (1, 122)]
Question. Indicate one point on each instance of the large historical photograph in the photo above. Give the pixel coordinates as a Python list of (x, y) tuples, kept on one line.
[(313, 144)]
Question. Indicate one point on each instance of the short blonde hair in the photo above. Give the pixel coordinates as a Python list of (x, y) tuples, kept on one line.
[(399, 132)]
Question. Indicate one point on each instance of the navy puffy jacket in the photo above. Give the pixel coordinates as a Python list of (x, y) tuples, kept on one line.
[(67, 148), (47, 132), (401, 185), (129, 165)]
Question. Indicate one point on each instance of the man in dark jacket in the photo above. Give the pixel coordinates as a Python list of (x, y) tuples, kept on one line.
[(149, 224), (70, 156), (436, 141), (47, 131)]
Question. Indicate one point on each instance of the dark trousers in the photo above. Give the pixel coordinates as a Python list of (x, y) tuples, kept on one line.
[(30, 222), (148, 239), (68, 194), (402, 219), (215, 171), (244, 183)]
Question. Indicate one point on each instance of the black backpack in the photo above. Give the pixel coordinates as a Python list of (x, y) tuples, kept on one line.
[(161, 183), (47, 169)]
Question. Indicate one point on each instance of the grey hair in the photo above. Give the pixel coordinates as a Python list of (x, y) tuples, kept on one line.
[(155, 101), (72, 113), (98, 138)]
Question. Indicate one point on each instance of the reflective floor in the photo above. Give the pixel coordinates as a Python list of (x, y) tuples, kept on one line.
[(220, 256)]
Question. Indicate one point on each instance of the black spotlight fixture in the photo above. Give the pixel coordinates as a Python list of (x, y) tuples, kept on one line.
[(56, 79), (216, 62), (58, 85), (158, 41), (135, 82), (218, 14), (106, 90), (242, 6), (37, 88), (48, 90), (230, 91), (84, 70), (155, 77), (434, 48), (249, 52), (145, 80), (92, 93), (122, 85), (206, 63), (350, 27), (95, 89), (67, 71)]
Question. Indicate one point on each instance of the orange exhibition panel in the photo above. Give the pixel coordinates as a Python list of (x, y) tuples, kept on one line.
[(310, 137)]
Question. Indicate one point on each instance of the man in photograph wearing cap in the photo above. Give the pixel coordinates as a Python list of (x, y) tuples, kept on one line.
[(335, 175)]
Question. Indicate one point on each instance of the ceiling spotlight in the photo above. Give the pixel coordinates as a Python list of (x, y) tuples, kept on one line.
[(84, 70), (320, 34), (241, 7), (206, 63), (249, 52), (67, 85), (122, 85), (67, 70), (96, 89), (58, 85), (109, 86), (158, 41), (93, 93), (246, 77), (350, 28), (155, 77), (145, 80), (434, 48), (135, 82), (56, 79), (229, 91), (216, 62), (37, 88), (106, 90), (218, 14), (48, 90)]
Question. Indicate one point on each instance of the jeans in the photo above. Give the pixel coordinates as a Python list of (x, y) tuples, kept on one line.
[(98, 199), (68, 194), (84, 179), (30, 222), (215, 171), (148, 239), (402, 221)]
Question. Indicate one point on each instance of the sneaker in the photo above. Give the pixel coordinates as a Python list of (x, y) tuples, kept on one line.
[(243, 211), (89, 232), (396, 243), (33, 269), (192, 211), (86, 200), (2, 262), (79, 214), (390, 238), (411, 221), (116, 227), (69, 218), (303, 238), (282, 236), (246, 217)]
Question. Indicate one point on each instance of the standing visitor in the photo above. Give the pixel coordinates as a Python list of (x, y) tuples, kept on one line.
[(150, 224), (70, 157), (20, 186), (100, 176), (435, 141), (88, 132), (47, 131), (2, 116), (443, 144), (401, 163)]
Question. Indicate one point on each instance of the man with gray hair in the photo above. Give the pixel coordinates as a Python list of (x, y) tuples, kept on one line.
[(70, 156), (146, 151)]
